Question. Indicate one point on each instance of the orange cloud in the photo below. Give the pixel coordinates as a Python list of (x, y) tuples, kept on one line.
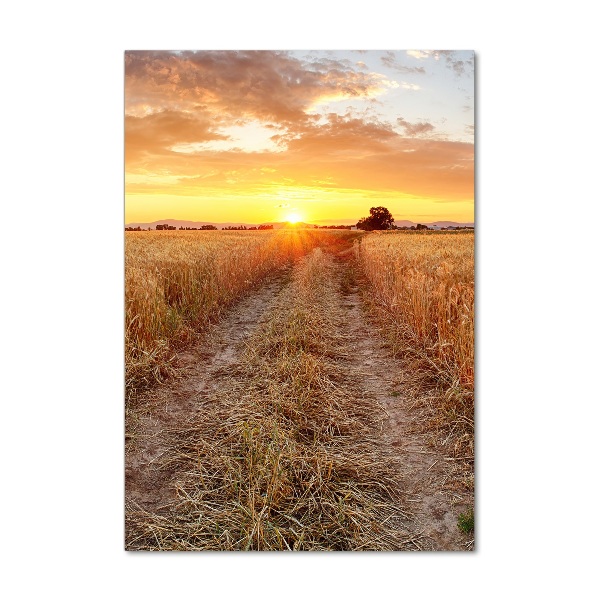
[(271, 86), (155, 133), (339, 134), (349, 154), (415, 129)]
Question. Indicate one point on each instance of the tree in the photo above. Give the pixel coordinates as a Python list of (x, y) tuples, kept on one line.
[(364, 224), (380, 218)]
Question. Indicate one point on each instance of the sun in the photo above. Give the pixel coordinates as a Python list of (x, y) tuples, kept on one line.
[(293, 218)]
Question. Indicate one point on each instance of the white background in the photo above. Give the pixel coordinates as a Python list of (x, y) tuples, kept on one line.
[(61, 145)]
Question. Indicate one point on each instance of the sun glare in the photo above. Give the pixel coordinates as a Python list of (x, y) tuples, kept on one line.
[(294, 218)]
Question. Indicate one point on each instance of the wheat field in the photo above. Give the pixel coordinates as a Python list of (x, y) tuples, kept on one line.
[(422, 287), (283, 447), (176, 282), (426, 283)]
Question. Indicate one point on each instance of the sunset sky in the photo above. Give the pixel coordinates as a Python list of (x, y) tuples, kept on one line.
[(321, 136)]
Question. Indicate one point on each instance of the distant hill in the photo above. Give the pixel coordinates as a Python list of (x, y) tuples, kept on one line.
[(178, 223), (433, 224), (450, 224)]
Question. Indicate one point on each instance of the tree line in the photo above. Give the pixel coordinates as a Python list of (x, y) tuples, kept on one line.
[(167, 227), (244, 228)]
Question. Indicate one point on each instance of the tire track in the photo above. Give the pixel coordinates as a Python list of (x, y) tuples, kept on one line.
[(424, 470), (174, 405)]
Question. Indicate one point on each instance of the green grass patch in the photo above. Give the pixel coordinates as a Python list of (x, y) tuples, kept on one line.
[(466, 521)]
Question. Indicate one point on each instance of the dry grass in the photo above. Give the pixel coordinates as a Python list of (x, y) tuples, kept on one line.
[(178, 281), (285, 456), (422, 290)]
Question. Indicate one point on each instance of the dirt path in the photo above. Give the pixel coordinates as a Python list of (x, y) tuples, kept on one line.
[(173, 406), (424, 470), (203, 369)]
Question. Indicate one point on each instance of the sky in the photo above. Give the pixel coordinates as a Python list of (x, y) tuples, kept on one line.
[(316, 136)]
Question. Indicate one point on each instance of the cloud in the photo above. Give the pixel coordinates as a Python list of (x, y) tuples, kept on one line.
[(340, 134), (429, 168), (157, 132), (415, 129), (181, 102), (350, 153), (269, 86), (389, 60), (419, 54), (409, 86), (461, 62)]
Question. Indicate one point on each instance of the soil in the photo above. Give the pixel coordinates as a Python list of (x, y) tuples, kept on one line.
[(201, 369)]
